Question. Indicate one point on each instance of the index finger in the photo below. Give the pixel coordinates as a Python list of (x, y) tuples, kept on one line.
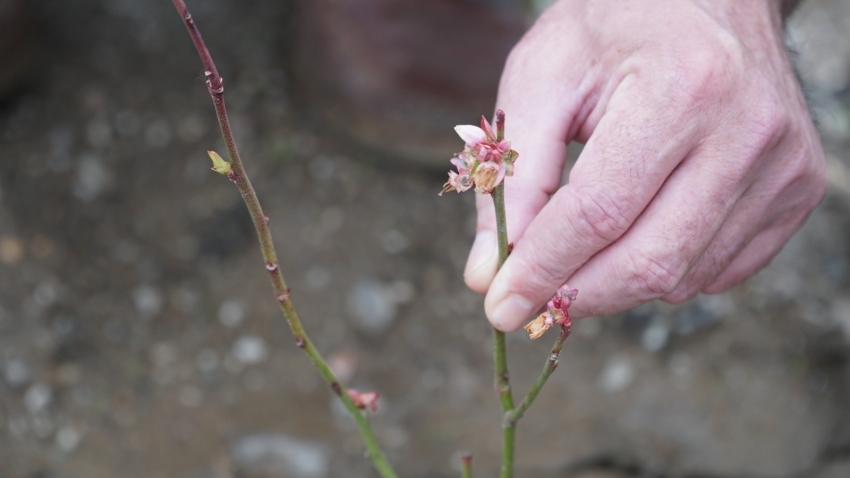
[(542, 101), (638, 142)]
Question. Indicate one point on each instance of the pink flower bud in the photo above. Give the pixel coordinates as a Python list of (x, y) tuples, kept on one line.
[(363, 400), (556, 312), (485, 126)]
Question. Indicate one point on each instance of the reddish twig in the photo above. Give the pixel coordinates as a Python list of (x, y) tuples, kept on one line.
[(237, 174)]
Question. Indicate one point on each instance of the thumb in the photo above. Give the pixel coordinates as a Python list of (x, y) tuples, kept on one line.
[(540, 104)]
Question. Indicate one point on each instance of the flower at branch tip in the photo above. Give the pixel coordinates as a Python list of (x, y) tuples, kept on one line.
[(484, 161), (471, 135), (363, 400), (219, 164), (556, 313)]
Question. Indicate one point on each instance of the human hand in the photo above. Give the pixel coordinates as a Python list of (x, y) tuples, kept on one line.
[(700, 162)]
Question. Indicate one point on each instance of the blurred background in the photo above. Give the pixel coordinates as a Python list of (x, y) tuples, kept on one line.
[(139, 336)]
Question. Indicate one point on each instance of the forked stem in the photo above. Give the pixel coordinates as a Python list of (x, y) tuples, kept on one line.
[(260, 220), (551, 364), (513, 414)]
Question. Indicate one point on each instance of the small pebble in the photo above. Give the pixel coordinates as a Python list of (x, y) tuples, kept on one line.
[(16, 372), (128, 123), (394, 437), (163, 354), (67, 374), (402, 292), (148, 301), (281, 455), (126, 251), (318, 277), (11, 250), (158, 134), (321, 168), (190, 396), (371, 306), (394, 242), (62, 141), (736, 377), (231, 313), (655, 336), (840, 311), (693, 318), (45, 294), (250, 350), (99, 134), (92, 179), (331, 220), (67, 438), (617, 375), (38, 397), (681, 365), (207, 360)]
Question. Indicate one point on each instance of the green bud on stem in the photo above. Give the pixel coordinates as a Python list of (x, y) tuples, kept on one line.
[(219, 164)]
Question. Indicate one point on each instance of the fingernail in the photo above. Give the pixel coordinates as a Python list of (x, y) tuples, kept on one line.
[(483, 259), (511, 312)]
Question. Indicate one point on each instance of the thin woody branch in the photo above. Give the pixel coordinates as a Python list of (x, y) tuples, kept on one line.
[(215, 86), (512, 417), (500, 359)]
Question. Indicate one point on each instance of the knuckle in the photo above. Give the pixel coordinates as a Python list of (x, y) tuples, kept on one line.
[(770, 123), (707, 77), (601, 215), (799, 168), (649, 275), (808, 179)]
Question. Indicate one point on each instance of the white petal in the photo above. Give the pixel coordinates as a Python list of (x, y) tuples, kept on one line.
[(470, 134)]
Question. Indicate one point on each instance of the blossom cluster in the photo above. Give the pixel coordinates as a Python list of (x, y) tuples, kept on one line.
[(556, 313), (484, 162)]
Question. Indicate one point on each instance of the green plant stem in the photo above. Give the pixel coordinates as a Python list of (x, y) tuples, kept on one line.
[(466, 465), (500, 359), (260, 220), (551, 364)]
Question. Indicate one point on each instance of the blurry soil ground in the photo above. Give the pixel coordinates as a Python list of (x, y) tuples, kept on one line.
[(139, 337)]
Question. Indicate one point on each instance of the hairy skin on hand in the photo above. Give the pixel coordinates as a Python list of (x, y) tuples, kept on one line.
[(701, 159)]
